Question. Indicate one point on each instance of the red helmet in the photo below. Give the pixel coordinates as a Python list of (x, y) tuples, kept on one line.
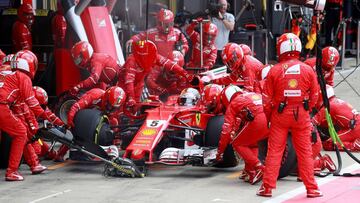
[(330, 58), (41, 95), (165, 19), (210, 96), (145, 53), (113, 98), (288, 43), (232, 56), (81, 53), (25, 61), (227, 94), (246, 49), (210, 31), (178, 58), (26, 14)]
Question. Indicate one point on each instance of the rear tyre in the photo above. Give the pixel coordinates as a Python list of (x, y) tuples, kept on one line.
[(212, 137), (63, 105), (288, 160)]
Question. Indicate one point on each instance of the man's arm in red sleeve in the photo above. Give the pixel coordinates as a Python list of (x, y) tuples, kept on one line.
[(93, 79), (28, 96), (210, 60), (227, 128), (130, 72), (190, 31), (170, 66)]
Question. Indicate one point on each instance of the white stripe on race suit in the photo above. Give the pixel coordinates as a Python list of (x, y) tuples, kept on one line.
[(301, 190)]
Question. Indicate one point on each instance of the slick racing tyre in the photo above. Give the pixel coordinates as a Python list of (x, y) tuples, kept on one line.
[(63, 105), (212, 137), (288, 161), (5, 144), (90, 125)]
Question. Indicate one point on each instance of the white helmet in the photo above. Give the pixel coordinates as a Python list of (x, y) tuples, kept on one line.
[(189, 97)]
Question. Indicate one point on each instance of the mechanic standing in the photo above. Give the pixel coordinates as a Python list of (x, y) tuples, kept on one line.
[(225, 23), (21, 35), (209, 50), (164, 35), (244, 126), (17, 85), (58, 27), (103, 69), (330, 58), (290, 91)]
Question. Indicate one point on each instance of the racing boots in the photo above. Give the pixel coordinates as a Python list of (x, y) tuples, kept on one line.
[(256, 175), (328, 163), (61, 153), (314, 193), (37, 169), (264, 191), (244, 175), (13, 176)]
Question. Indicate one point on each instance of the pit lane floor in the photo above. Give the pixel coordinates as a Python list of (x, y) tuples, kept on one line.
[(82, 182)]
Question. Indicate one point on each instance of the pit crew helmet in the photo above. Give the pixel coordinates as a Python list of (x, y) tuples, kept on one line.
[(246, 49), (165, 21), (330, 58), (113, 98), (288, 44), (25, 61), (210, 96), (41, 95), (81, 53), (232, 56)]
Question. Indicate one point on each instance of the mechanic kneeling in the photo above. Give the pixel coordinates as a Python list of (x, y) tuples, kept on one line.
[(110, 102), (244, 126)]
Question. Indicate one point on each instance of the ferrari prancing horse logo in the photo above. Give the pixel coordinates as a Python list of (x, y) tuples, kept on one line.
[(198, 118)]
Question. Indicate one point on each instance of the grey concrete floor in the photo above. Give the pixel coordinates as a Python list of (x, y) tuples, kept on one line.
[(83, 182)]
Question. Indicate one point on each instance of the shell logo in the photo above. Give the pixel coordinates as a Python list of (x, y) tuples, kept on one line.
[(148, 132), (293, 83), (255, 97)]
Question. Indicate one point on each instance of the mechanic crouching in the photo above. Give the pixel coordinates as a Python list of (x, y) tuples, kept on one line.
[(244, 126), (290, 91), (103, 69), (110, 102)]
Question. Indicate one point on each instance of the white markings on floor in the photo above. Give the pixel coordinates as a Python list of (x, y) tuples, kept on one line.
[(50, 196), (301, 190), (220, 200)]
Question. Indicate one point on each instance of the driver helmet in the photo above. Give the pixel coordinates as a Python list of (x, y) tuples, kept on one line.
[(189, 97)]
